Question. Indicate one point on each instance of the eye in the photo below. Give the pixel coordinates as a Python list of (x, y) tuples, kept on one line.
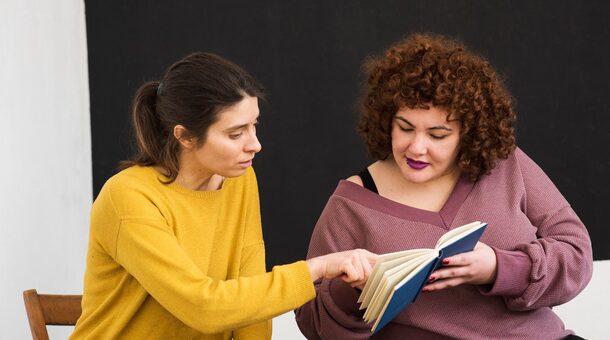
[(235, 135), (438, 136), (405, 129)]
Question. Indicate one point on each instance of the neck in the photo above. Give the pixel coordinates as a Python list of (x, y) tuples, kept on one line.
[(192, 176), (431, 195)]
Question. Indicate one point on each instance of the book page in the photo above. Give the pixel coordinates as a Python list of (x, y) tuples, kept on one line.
[(412, 282), (391, 278), (384, 263), (457, 233)]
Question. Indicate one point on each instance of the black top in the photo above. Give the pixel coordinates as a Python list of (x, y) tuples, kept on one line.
[(367, 180)]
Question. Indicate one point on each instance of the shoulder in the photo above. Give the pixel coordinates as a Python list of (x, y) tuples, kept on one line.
[(508, 165), (133, 177), (518, 170), (134, 186), (517, 162), (130, 194), (355, 179), (376, 169), (522, 158)]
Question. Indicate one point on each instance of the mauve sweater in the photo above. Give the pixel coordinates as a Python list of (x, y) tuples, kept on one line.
[(543, 253)]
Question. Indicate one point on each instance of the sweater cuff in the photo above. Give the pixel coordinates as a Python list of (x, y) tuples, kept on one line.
[(302, 281), (344, 296), (513, 275)]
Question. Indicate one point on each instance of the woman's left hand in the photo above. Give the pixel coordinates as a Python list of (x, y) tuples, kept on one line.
[(475, 267)]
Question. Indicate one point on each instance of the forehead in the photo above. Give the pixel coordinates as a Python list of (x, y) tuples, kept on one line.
[(435, 115), (242, 112)]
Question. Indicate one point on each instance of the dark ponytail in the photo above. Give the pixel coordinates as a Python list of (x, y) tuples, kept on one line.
[(191, 93)]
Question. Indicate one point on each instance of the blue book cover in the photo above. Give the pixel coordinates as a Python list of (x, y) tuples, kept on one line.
[(406, 291)]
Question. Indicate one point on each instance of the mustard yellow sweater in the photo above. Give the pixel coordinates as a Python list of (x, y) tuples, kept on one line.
[(165, 262)]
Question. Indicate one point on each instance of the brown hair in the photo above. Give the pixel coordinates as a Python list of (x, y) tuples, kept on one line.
[(191, 93), (425, 70)]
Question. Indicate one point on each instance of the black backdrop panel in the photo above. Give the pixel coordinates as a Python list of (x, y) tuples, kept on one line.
[(554, 56)]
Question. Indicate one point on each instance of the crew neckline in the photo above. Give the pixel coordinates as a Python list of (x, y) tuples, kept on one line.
[(186, 191)]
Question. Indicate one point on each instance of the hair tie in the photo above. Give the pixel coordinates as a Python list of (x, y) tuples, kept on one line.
[(159, 88)]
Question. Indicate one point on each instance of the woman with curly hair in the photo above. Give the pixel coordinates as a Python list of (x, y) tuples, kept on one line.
[(440, 125)]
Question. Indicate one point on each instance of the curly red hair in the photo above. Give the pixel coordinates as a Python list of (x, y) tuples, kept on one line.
[(425, 70)]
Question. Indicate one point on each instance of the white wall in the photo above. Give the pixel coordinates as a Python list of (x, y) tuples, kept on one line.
[(45, 148), (587, 314)]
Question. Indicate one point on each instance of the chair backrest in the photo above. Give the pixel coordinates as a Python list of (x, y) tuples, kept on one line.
[(44, 309)]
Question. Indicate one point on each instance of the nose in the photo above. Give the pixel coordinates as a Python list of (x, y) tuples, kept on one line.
[(418, 145), (253, 145)]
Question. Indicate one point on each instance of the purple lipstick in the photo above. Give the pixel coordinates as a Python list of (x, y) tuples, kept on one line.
[(417, 165)]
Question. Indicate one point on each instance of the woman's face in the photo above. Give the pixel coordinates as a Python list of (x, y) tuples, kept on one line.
[(424, 144), (231, 141)]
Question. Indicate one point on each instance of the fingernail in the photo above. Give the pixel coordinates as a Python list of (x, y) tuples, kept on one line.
[(432, 278), (445, 261)]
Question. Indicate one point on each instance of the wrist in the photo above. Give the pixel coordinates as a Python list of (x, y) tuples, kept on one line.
[(314, 268)]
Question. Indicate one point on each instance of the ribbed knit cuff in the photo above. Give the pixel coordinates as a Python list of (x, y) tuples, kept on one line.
[(344, 296), (340, 302), (302, 282), (513, 275)]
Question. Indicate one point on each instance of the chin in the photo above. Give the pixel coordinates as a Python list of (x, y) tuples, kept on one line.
[(416, 177), (235, 172)]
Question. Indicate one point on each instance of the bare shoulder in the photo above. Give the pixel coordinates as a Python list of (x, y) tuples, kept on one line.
[(355, 179), (374, 170)]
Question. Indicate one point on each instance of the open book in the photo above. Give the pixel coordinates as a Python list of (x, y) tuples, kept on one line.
[(398, 278)]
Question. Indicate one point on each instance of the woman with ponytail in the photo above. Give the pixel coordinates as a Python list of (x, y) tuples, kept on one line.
[(175, 247)]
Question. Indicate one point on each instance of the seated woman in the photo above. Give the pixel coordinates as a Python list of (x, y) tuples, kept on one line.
[(440, 124), (175, 247)]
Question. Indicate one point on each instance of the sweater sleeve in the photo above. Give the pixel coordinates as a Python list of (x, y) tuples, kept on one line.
[(146, 247), (252, 262), (334, 313), (555, 267)]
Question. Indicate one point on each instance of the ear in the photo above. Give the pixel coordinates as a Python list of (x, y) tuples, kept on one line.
[(182, 135)]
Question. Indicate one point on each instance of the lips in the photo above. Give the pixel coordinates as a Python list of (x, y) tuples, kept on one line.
[(417, 165), (246, 163)]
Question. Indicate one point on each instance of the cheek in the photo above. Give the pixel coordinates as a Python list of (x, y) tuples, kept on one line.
[(230, 150), (399, 142), (447, 152), (218, 152)]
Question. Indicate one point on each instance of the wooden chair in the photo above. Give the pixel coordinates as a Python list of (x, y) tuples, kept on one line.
[(46, 310)]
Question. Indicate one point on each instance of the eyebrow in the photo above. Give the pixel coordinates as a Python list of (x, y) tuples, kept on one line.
[(240, 126), (438, 127)]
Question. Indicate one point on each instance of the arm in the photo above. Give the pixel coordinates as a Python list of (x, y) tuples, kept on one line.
[(146, 247), (253, 263), (546, 272), (334, 313), (555, 267), (160, 265)]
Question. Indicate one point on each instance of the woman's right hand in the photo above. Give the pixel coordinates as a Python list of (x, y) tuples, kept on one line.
[(354, 266)]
